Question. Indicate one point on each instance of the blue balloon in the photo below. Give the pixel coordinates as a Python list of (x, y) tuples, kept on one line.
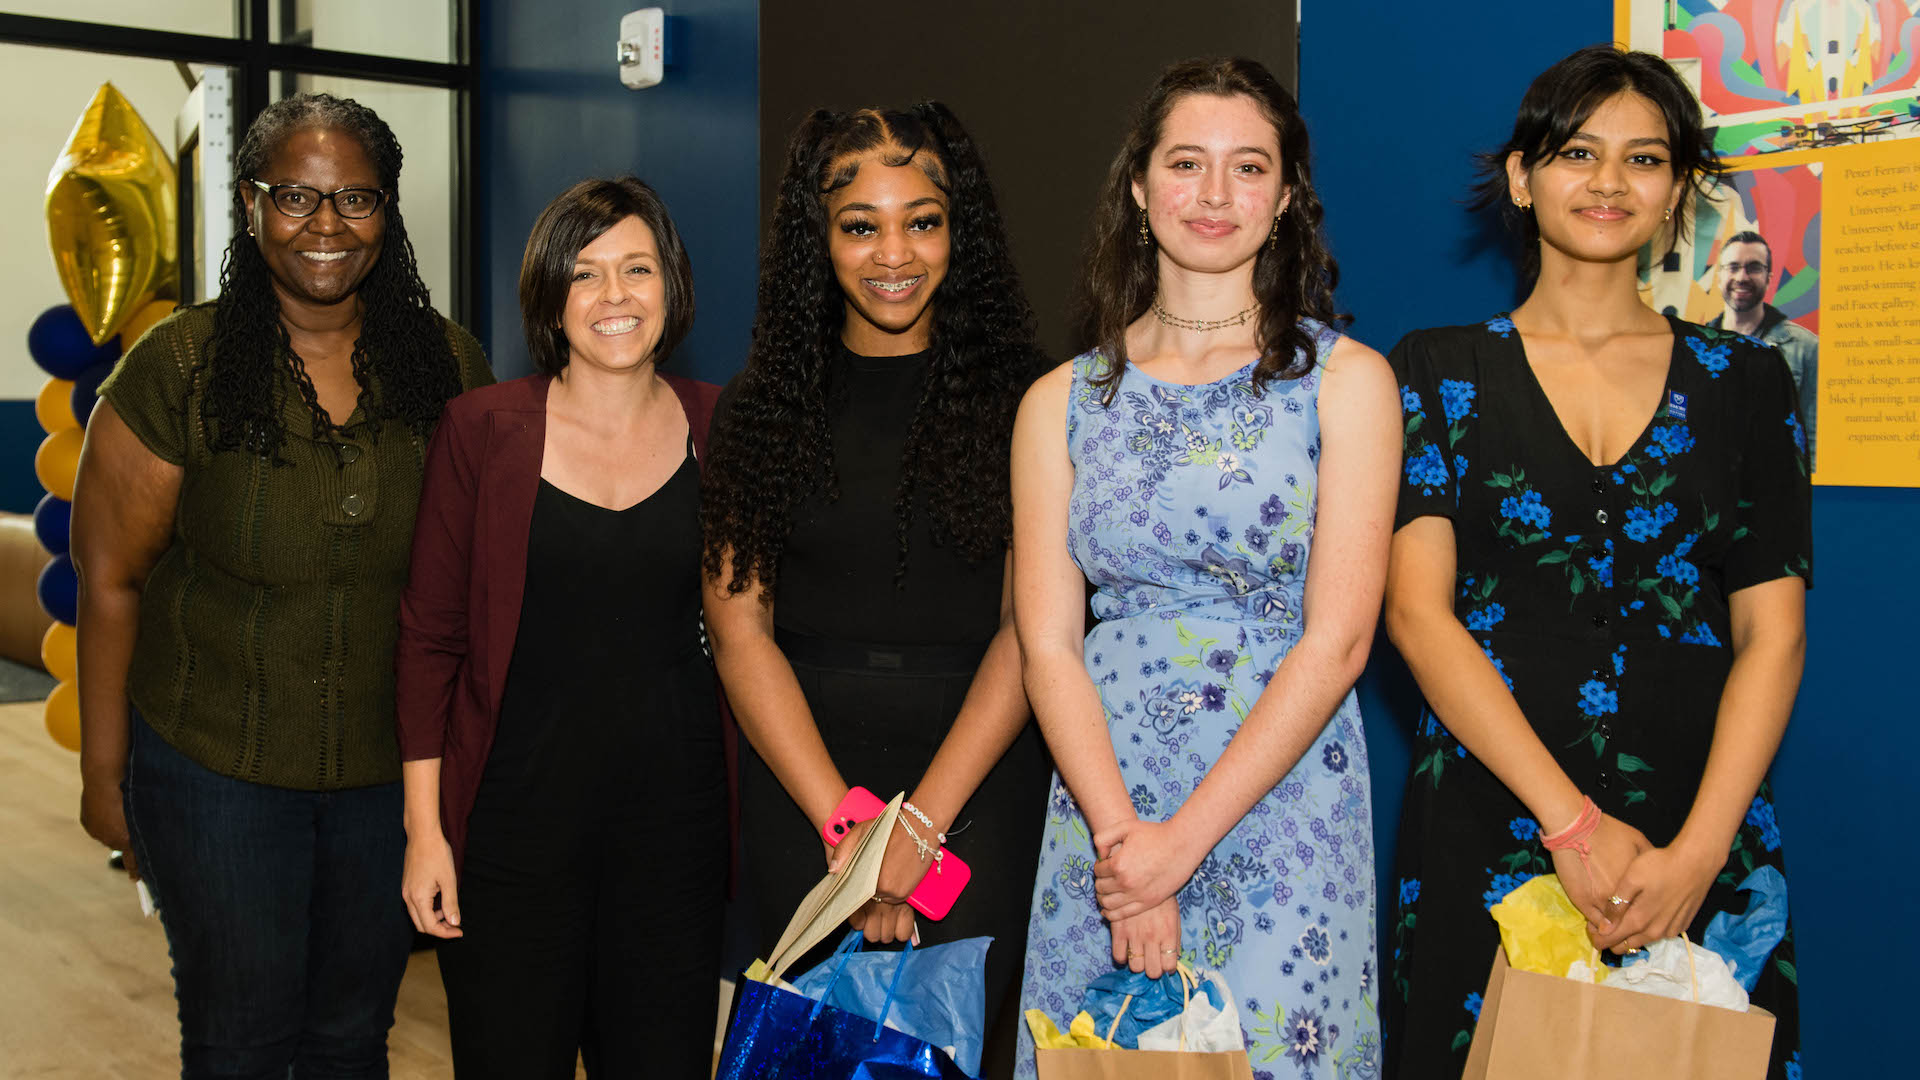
[(51, 521), (86, 389), (60, 590), (60, 345)]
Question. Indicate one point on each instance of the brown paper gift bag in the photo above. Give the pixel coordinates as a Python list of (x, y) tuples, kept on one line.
[(1142, 1065), (1077, 1063), (1534, 1026)]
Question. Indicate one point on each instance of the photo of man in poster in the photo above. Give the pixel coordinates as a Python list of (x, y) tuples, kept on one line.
[(1742, 274)]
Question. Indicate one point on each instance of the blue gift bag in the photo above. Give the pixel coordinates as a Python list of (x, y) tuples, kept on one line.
[(937, 993), (777, 1032)]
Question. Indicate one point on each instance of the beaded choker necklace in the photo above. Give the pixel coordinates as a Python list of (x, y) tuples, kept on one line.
[(1202, 325)]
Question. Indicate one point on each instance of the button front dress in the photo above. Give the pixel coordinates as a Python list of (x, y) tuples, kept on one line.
[(1600, 593), (1192, 513)]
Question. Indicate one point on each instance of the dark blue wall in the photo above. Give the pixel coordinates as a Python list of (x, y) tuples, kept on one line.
[(20, 436), (549, 110), (1396, 96)]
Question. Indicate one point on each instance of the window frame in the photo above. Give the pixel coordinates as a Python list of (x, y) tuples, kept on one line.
[(255, 59)]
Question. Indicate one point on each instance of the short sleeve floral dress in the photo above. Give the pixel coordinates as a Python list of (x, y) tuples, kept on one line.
[(1192, 514), (1600, 593)]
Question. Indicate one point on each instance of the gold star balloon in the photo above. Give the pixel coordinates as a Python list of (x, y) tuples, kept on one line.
[(110, 215)]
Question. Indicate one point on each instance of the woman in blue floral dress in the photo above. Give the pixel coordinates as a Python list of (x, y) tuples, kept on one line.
[(1598, 575), (1222, 467)]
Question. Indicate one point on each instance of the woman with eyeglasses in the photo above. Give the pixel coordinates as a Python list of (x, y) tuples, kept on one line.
[(241, 527)]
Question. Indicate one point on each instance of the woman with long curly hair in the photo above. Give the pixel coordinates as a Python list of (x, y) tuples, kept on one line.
[(241, 525), (1220, 466), (1598, 573), (857, 527)]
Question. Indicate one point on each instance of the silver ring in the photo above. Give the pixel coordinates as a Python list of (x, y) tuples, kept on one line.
[(1618, 900), (1170, 952)]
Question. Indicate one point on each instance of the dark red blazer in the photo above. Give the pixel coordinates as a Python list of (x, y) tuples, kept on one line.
[(461, 608)]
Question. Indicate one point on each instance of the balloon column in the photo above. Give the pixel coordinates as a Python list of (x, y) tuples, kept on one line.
[(110, 221), (111, 207)]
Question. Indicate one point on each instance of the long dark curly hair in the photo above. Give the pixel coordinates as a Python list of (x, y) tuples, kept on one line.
[(402, 346), (1292, 277), (774, 447)]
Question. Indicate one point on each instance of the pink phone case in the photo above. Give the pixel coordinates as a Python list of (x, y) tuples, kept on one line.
[(859, 805), (937, 891)]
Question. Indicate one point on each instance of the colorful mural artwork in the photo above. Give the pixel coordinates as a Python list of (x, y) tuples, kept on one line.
[(1811, 242), (1780, 205), (1793, 74)]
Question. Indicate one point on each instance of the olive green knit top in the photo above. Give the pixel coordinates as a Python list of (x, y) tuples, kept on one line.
[(265, 648)]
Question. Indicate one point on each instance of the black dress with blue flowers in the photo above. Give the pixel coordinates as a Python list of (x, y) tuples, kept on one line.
[(1600, 593)]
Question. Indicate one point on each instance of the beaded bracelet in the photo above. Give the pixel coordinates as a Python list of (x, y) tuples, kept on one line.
[(923, 819)]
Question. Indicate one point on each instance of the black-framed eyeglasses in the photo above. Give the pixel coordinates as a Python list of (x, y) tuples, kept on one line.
[(298, 200)]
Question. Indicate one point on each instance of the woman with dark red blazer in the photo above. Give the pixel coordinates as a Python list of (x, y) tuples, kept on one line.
[(566, 794)]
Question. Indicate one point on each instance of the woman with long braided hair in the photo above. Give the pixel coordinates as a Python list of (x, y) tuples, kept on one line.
[(242, 521), (857, 526)]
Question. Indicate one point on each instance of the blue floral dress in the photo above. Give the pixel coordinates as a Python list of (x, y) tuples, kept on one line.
[(1600, 593), (1192, 512)]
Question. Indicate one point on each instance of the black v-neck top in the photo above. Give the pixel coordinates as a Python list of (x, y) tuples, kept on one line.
[(1601, 596)]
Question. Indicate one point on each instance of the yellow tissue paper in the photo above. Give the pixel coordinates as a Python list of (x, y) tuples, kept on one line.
[(1543, 932), (1079, 1035)]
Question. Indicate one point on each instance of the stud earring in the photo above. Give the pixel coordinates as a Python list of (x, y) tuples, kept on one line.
[(1669, 215), (1146, 234)]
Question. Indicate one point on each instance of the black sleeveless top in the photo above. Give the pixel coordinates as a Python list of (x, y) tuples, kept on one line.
[(837, 569), (612, 603)]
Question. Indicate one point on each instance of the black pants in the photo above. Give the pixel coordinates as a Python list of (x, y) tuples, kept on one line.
[(591, 896), (882, 726)]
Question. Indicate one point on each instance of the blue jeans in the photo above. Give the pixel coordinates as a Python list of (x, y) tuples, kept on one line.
[(283, 914)]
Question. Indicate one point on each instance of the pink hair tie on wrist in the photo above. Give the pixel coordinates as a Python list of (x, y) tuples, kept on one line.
[(1575, 836)]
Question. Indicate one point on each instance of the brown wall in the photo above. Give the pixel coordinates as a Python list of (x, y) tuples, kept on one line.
[(1045, 88)]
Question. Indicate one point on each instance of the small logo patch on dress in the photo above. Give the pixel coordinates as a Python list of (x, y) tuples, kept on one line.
[(1676, 405)]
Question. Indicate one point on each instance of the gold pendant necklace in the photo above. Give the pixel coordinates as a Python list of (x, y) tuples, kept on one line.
[(1202, 325)]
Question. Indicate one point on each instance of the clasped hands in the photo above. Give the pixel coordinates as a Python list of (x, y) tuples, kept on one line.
[(1633, 893), (886, 918), (1142, 867)]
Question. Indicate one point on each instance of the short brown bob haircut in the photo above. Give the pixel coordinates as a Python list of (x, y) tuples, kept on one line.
[(577, 218)]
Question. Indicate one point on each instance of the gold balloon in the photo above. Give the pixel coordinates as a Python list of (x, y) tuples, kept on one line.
[(63, 716), (143, 321), (57, 460), (111, 215), (54, 407), (57, 652)]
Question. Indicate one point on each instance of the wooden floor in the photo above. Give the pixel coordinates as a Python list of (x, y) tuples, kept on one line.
[(84, 984)]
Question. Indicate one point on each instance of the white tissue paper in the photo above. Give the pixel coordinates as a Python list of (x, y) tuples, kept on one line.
[(1665, 971), (1208, 1030), (1579, 970)]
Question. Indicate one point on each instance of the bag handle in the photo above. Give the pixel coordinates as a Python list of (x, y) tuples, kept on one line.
[(893, 985), (844, 952), (1189, 981), (841, 954), (1693, 977), (1115, 1026)]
